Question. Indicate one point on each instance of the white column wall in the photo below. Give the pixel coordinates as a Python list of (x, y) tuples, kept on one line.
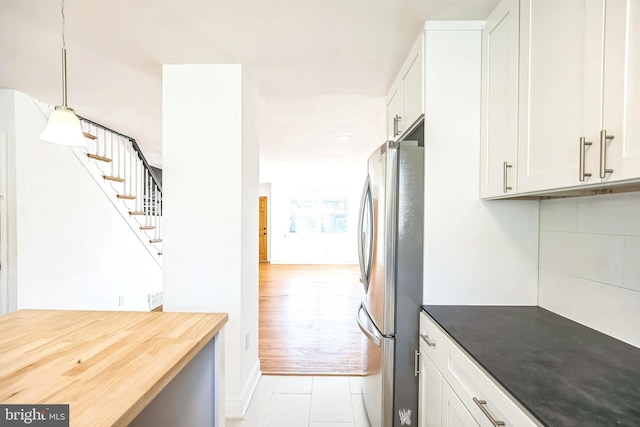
[(8, 289), (476, 251), (210, 221), (251, 104)]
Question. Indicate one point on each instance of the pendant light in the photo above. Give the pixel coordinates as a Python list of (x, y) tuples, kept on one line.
[(64, 126)]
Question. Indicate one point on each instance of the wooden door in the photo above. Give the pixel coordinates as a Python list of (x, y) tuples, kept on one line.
[(262, 231)]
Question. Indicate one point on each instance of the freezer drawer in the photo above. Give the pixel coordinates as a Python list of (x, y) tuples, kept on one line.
[(377, 381)]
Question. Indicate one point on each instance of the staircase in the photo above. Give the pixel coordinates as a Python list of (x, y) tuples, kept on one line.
[(117, 164)]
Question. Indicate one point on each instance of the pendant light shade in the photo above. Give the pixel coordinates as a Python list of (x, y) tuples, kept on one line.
[(64, 128)]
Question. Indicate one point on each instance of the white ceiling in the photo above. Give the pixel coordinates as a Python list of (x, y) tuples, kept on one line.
[(322, 67)]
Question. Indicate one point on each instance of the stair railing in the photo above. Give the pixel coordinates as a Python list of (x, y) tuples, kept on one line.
[(126, 167)]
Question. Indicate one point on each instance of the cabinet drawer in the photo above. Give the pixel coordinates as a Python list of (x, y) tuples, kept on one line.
[(431, 337), (478, 392)]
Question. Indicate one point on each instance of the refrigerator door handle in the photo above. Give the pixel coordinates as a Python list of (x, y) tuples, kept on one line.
[(365, 256), (371, 335)]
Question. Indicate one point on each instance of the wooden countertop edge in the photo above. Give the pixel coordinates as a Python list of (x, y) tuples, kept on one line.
[(130, 414)]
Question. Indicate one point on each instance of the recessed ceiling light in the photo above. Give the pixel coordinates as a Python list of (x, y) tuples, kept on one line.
[(344, 138)]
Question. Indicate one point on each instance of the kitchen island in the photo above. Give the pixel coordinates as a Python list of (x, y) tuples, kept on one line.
[(116, 368), (565, 374)]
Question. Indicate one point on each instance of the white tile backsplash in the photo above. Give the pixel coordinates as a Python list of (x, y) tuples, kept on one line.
[(597, 257), (557, 293), (589, 262), (614, 214), (614, 311), (559, 215), (632, 263)]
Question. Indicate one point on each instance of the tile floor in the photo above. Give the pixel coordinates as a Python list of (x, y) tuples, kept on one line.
[(292, 401)]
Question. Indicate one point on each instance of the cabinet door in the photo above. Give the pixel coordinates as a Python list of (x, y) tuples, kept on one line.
[(429, 391), (560, 91), (500, 101), (621, 108), (454, 414), (412, 86), (394, 111)]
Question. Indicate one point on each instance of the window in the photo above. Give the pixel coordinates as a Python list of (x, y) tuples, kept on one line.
[(319, 213)]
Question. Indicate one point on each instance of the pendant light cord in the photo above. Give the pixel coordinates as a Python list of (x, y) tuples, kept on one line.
[(64, 42), (64, 61)]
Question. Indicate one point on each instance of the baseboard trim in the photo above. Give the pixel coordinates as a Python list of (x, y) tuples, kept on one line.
[(236, 406)]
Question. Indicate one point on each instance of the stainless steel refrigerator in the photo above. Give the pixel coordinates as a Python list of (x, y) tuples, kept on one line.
[(390, 247)]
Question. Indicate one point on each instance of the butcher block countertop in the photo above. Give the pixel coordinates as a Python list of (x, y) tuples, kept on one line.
[(107, 365)]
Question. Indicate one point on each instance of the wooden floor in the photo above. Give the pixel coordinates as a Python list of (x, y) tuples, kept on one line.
[(307, 320)]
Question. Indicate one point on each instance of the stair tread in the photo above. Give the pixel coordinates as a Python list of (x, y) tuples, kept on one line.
[(155, 240), (113, 178), (160, 253), (126, 196), (137, 213), (148, 227), (100, 158), (88, 135)]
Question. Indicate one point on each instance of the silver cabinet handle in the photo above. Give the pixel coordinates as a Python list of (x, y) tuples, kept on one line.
[(396, 125), (416, 359), (425, 338), (583, 146), (481, 404), (603, 153), (505, 167)]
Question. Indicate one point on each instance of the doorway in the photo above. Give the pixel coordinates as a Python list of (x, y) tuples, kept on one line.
[(263, 254)]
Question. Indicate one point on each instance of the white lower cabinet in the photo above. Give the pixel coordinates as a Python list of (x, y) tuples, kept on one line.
[(429, 386), (487, 403), (454, 414), (456, 392)]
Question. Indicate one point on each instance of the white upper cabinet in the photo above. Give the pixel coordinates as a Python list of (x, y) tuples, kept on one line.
[(499, 136), (394, 111), (560, 92), (621, 94), (579, 93), (412, 85), (405, 101)]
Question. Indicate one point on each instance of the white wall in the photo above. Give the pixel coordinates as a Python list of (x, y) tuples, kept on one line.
[(476, 252), (70, 247), (210, 170), (590, 262)]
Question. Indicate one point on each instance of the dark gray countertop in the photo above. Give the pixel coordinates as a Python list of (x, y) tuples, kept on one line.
[(565, 373)]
